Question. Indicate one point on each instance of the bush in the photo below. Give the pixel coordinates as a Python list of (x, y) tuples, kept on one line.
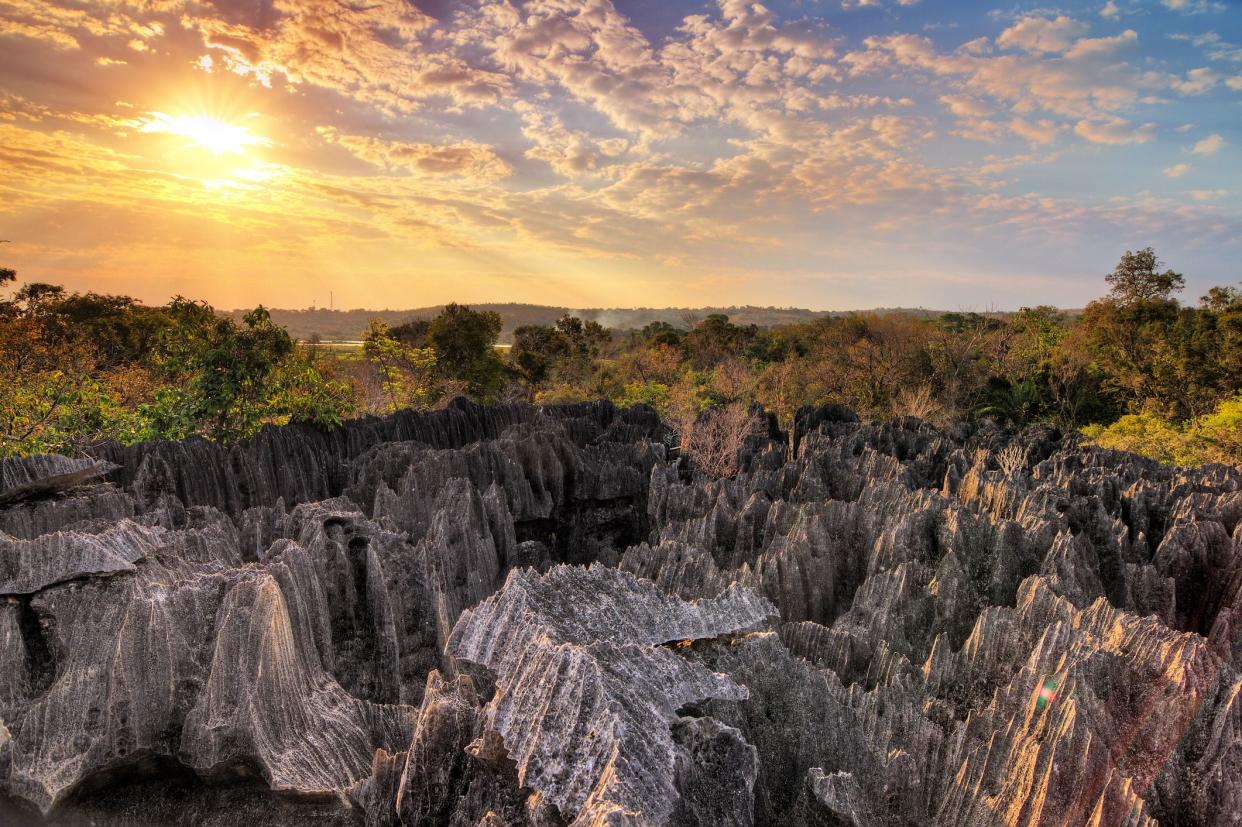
[(1214, 437), (1148, 435)]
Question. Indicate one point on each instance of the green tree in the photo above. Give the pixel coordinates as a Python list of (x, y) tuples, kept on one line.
[(1154, 355), (223, 369), (303, 389), (408, 373), (1137, 279), (566, 351), (716, 339), (662, 333), (55, 396), (537, 349), (465, 346), (413, 333)]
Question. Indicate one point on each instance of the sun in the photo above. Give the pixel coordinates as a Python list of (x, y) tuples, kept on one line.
[(213, 134)]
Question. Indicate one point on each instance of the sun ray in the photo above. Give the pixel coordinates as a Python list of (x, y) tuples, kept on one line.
[(217, 136)]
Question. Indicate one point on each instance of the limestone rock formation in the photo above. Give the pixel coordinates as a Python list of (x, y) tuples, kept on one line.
[(541, 616)]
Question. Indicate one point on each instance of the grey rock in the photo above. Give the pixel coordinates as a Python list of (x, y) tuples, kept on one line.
[(516, 615), (585, 692)]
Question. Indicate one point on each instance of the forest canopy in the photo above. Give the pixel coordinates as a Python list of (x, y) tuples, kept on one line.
[(1136, 369)]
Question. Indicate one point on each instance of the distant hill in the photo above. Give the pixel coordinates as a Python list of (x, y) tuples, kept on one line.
[(349, 325)]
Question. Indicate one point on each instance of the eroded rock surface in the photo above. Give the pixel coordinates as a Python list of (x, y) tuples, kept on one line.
[(522, 616)]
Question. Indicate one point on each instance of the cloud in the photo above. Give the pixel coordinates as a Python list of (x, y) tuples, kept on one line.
[(1041, 34), (1110, 9), (562, 133), (1040, 132), (465, 159), (1194, 6), (860, 4), (1114, 131), (1197, 81), (1209, 145), (381, 52), (1177, 170), (570, 153), (1090, 80), (1208, 195), (64, 26), (964, 106)]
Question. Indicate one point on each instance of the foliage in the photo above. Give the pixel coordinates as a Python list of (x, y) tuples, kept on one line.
[(1218, 435), (1137, 369), (221, 372), (465, 346), (1213, 437), (306, 391), (1146, 434), (655, 394), (86, 368), (564, 352), (1137, 279), (408, 373)]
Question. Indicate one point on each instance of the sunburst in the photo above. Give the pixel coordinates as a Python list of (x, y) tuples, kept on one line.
[(210, 133)]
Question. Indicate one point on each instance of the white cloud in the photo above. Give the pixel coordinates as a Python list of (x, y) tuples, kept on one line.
[(1208, 195), (1041, 34), (1177, 170), (1110, 9), (965, 106), (1209, 145), (1091, 80), (1114, 131), (1197, 81), (463, 159), (1194, 6), (1039, 132), (858, 4)]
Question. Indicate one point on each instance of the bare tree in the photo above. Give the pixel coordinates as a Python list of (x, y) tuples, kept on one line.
[(918, 401), (713, 440), (1011, 458)]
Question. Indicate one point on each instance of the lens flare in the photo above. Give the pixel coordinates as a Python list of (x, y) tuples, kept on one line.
[(1047, 694), (217, 136)]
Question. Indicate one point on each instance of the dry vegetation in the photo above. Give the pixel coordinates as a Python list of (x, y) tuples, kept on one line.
[(1136, 370)]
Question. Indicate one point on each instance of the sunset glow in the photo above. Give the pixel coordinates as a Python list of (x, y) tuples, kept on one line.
[(617, 152), (206, 132)]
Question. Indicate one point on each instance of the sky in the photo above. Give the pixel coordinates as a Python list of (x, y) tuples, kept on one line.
[(829, 154)]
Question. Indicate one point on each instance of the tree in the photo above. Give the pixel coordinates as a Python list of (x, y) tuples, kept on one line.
[(662, 333), (713, 440), (413, 333), (407, 373), (864, 360), (715, 339), (1220, 299), (1137, 278), (465, 345), (219, 372), (56, 395), (536, 351)]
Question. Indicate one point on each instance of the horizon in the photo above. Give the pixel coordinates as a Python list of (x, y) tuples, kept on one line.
[(650, 309), (830, 156)]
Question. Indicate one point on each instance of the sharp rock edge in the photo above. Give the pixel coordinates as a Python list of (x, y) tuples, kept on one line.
[(536, 616)]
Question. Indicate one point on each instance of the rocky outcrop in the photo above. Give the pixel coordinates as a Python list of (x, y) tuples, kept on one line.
[(585, 693), (540, 616)]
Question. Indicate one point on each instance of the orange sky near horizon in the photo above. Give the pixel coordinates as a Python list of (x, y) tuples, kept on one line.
[(395, 154)]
